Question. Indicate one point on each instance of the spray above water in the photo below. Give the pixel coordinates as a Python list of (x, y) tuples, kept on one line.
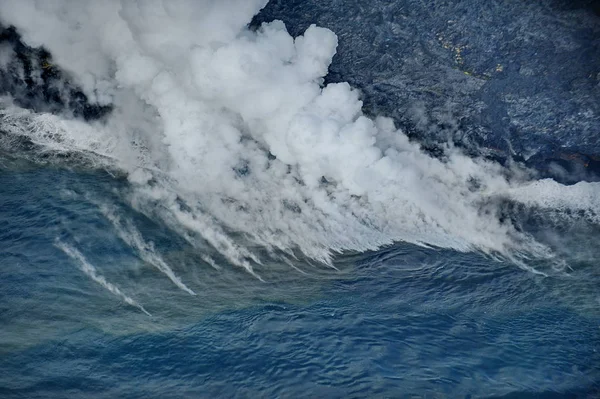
[(132, 237), (91, 271), (230, 138)]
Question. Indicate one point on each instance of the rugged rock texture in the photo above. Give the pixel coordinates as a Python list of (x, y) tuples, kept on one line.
[(520, 78), (30, 78), (515, 79)]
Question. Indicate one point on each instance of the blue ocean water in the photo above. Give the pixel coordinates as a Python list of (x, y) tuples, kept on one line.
[(102, 297), (401, 322)]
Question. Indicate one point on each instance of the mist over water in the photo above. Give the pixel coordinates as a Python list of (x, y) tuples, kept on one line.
[(400, 321), (229, 183), (223, 131)]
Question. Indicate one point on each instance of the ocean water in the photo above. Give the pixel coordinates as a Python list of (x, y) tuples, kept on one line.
[(403, 321), (231, 225)]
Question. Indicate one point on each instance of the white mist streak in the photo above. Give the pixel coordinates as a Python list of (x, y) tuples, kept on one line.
[(91, 272), (132, 237)]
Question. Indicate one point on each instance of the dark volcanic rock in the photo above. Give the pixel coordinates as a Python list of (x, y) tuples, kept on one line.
[(29, 76), (519, 78), (511, 79)]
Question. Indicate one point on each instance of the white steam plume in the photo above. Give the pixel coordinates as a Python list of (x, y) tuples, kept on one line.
[(231, 133)]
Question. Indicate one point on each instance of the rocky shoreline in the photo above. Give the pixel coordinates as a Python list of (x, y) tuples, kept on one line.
[(517, 82)]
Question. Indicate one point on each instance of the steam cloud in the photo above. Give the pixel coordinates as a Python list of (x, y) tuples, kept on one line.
[(229, 136)]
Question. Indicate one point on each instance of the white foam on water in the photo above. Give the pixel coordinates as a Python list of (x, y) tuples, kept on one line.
[(229, 136), (132, 237), (582, 198), (91, 272), (211, 262)]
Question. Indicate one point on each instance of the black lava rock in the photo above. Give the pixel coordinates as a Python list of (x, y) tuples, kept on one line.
[(515, 79), (31, 79)]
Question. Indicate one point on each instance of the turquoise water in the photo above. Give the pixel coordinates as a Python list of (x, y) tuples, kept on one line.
[(404, 321)]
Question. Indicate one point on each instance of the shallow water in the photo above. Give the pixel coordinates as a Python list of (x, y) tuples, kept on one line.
[(404, 321)]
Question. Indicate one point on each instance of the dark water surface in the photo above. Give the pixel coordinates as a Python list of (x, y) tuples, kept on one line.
[(401, 322)]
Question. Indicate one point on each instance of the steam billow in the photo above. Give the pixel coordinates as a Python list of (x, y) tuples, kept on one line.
[(230, 138)]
